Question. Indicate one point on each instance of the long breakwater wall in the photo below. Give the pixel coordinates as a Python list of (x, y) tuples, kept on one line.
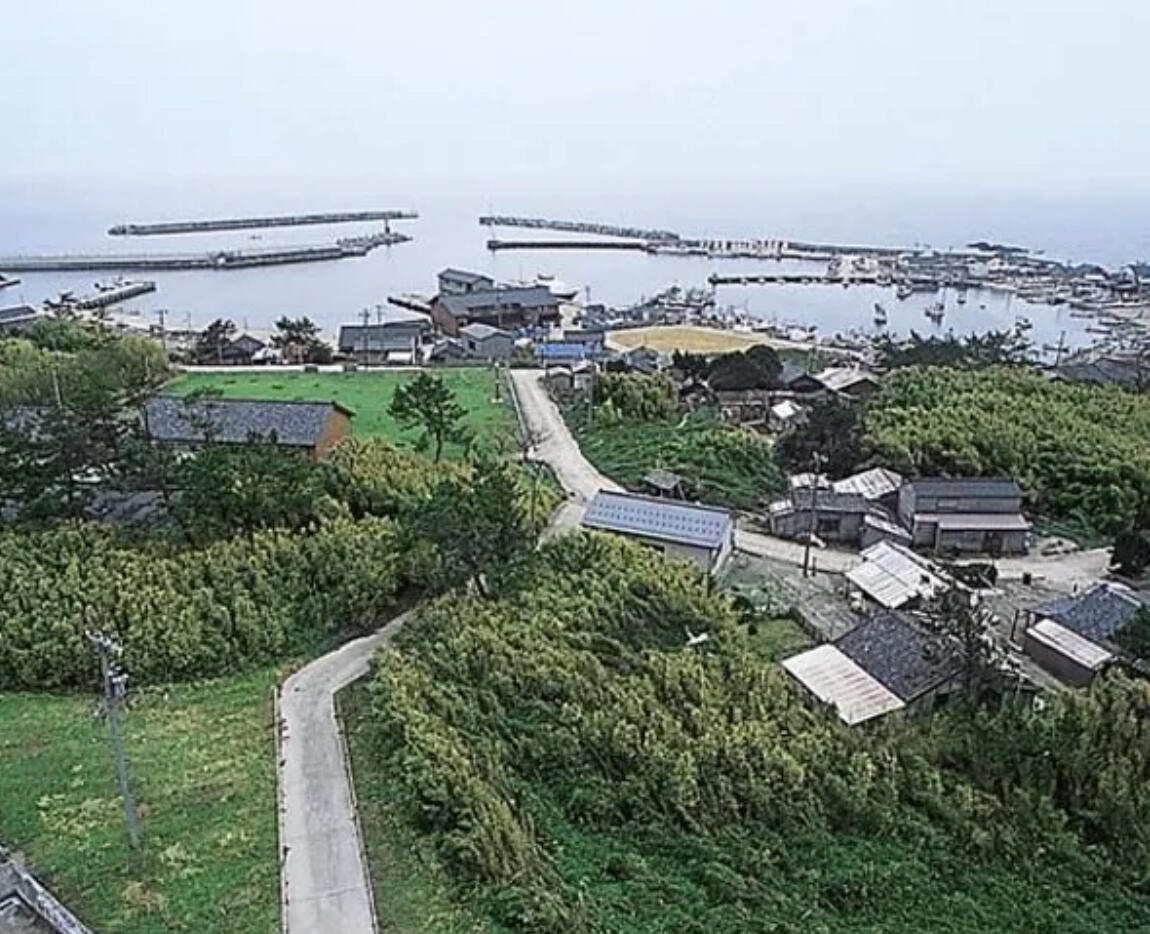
[(254, 223)]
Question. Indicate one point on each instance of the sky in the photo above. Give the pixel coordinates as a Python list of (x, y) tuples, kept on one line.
[(1043, 95)]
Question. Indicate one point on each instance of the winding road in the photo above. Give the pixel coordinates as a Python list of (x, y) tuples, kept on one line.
[(325, 886)]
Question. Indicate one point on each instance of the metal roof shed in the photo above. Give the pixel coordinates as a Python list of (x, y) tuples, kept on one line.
[(892, 576), (834, 679)]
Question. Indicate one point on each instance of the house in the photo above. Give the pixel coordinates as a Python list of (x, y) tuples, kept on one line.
[(448, 350), (313, 428), (887, 663), (1072, 638), (397, 340), (794, 378), (564, 354), (595, 338), (461, 282), (645, 360), (26, 907), (833, 517), (785, 414), (849, 382), (877, 485), (244, 350), (894, 577), (485, 342), (964, 514), (512, 308), (696, 533), (19, 319)]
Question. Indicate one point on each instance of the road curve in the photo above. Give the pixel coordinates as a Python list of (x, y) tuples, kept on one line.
[(325, 886)]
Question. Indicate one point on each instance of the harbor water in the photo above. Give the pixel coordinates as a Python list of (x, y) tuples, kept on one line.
[(51, 218)]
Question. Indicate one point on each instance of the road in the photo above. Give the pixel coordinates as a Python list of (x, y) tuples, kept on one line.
[(552, 443), (324, 885)]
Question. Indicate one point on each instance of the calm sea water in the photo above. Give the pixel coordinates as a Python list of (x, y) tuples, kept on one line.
[(43, 217)]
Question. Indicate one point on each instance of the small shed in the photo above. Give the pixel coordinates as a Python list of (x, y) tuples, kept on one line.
[(665, 484), (785, 414), (835, 679), (894, 576), (833, 517)]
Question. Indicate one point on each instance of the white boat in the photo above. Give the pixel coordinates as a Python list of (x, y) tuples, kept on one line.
[(557, 287), (1023, 323), (936, 312), (904, 291), (879, 315), (960, 297)]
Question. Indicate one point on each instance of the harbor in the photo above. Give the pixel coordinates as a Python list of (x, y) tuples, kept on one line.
[(113, 294), (257, 223)]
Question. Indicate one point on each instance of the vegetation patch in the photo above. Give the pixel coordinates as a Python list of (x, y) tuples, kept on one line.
[(202, 764), (1079, 452), (575, 766)]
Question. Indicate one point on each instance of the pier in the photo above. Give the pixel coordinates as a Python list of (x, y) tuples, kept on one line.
[(256, 223), (586, 227), (111, 296), (225, 259), (785, 278), (635, 245)]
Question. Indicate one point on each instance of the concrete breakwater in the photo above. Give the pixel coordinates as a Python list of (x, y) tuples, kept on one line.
[(255, 223), (603, 230), (223, 259)]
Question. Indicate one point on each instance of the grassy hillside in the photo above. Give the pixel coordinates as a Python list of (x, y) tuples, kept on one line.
[(369, 394), (566, 763), (202, 764)]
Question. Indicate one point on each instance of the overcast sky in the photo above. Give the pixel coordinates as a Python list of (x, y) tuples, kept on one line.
[(1013, 94)]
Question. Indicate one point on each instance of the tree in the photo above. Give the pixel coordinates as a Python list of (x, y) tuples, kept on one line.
[(1131, 553), (756, 368), (427, 402), (833, 430), (978, 350), (476, 525), (213, 341), (1134, 636), (298, 340), (967, 624), (693, 366)]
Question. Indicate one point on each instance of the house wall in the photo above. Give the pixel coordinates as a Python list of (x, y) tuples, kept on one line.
[(979, 540), (701, 556), (445, 321), (1061, 666), (335, 429), (495, 347), (847, 526)]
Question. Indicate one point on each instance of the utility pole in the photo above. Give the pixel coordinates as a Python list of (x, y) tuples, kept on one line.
[(1061, 347), (366, 316), (590, 396), (161, 313), (818, 460), (114, 687)]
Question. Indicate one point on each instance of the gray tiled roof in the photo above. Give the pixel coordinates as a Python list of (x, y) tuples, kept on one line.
[(462, 275), (390, 335), (17, 312), (902, 655), (829, 501), (973, 487), (511, 299), (1095, 615), (292, 424), (687, 524)]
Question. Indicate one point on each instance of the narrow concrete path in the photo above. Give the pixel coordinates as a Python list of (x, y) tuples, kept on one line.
[(554, 444), (325, 885)]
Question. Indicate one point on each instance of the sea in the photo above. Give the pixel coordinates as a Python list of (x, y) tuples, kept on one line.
[(39, 216)]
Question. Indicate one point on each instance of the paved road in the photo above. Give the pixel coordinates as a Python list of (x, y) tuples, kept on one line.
[(325, 885), (553, 443), (767, 546)]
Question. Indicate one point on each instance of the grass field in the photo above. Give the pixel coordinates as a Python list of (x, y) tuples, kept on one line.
[(202, 764), (412, 892), (368, 395)]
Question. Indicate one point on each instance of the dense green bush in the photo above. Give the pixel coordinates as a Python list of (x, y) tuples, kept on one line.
[(1079, 452), (633, 396), (184, 612), (579, 768)]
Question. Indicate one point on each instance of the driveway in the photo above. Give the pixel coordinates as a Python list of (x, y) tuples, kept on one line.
[(325, 886)]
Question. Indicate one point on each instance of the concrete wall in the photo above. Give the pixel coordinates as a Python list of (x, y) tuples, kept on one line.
[(335, 429)]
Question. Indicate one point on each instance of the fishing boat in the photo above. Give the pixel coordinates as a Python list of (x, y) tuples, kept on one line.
[(904, 291), (879, 315), (936, 312), (1023, 323), (960, 296)]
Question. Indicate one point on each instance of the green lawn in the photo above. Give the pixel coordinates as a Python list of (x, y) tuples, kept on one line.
[(412, 891), (778, 638), (369, 394), (202, 763)]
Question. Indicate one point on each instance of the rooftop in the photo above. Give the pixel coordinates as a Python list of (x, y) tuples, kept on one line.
[(26, 907), (837, 680), (235, 421), (903, 656), (828, 501), (872, 484), (1096, 614), (650, 517), (513, 298), (892, 575), (462, 275), (1066, 642), (840, 378), (972, 487), (480, 332), (976, 521)]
